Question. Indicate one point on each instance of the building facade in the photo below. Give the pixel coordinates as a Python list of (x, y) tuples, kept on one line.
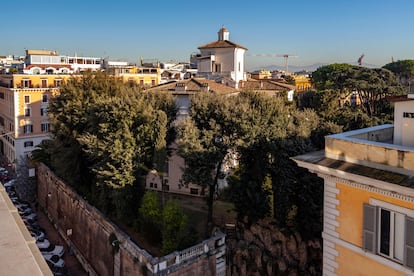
[(368, 211), (222, 60), (24, 122), (170, 180), (50, 62)]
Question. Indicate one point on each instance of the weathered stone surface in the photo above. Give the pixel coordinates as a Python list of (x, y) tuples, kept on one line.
[(291, 246), (268, 251)]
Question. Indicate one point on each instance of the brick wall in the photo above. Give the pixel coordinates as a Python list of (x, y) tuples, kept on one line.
[(89, 232)]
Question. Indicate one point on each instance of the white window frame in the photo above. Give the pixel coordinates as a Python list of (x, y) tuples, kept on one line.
[(45, 127), (43, 111), (28, 142), (24, 99), (26, 83), (393, 209), (26, 128)]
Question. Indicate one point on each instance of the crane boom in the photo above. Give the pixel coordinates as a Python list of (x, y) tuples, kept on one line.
[(285, 56)]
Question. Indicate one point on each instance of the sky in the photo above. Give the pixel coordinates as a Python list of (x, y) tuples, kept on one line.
[(316, 31)]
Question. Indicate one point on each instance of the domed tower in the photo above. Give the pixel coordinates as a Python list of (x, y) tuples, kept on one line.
[(223, 34), (222, 60)]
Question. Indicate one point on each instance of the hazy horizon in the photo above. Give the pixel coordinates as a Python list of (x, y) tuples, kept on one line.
[(316, 31)]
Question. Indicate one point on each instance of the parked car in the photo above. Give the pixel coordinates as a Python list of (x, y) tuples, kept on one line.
[(55, 260), (29, 216), (38, 235), (36, 227), (9, 183), (53, 250), (57, 271), (43, 243), (23, 207), (30, 222)]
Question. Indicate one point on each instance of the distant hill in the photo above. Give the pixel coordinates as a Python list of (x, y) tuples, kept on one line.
[(309, 68)]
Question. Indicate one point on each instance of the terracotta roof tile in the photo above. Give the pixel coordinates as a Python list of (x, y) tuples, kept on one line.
[(193, 85), (221, 44)]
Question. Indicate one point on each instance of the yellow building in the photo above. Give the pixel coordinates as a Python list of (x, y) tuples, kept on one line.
[(23, 112), (302, 83), (142, 76), (262, 74), (368, 226)]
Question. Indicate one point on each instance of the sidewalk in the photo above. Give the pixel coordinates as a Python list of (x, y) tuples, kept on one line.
[(72, 265)]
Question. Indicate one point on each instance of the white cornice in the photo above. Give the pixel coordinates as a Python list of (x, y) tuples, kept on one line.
[(362, 182)]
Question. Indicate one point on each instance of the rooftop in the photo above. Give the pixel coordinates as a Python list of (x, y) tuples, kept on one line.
[(221, 44), (368, 152), (19, 254)]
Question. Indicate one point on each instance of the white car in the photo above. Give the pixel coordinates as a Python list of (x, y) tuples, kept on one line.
[(23, 207), (9, 183), (43, 243), (38, 235), (55, 260), (53, 250), (29, 216)]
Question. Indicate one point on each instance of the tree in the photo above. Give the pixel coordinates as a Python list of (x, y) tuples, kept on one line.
[(403, 69), (264, 131), (107, 136), (368, 88), (151, 215), (174, 225)]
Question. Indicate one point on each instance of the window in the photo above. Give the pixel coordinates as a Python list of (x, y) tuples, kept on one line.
[(27, 111), (26, 99), (26, 83), (388, 231), (43, 111), (44, 83), (28, 128), (58, 83), (45, 98), (45, 127), (1, 95), (28, 144), (152, 82)]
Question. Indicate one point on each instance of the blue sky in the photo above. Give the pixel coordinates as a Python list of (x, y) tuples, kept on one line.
[(317, 31)]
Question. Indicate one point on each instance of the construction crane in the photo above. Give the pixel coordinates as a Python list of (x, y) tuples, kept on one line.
[(285, 56)]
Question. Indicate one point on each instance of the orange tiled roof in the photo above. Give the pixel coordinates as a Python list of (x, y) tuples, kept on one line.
[(266, 84), (221, 44), (194, 85)]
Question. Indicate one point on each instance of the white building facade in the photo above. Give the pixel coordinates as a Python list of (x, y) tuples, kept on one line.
[(222, 60)]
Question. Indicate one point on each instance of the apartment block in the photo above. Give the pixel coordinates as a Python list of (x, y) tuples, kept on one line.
[(368, 211), (24, 123)]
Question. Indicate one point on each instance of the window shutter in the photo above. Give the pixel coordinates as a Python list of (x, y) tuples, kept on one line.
[(409, 242), (369, 238)]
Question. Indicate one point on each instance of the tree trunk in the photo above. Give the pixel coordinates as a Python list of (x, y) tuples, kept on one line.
[(210, 200)]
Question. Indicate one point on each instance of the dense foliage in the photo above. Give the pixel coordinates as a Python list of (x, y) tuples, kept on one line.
[(262, 133), (107, 136), (352, 96), (167, 225), (403, 69)]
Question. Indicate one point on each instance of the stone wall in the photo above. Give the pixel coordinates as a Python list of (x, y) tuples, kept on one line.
[(104, 249), (264, 249)]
